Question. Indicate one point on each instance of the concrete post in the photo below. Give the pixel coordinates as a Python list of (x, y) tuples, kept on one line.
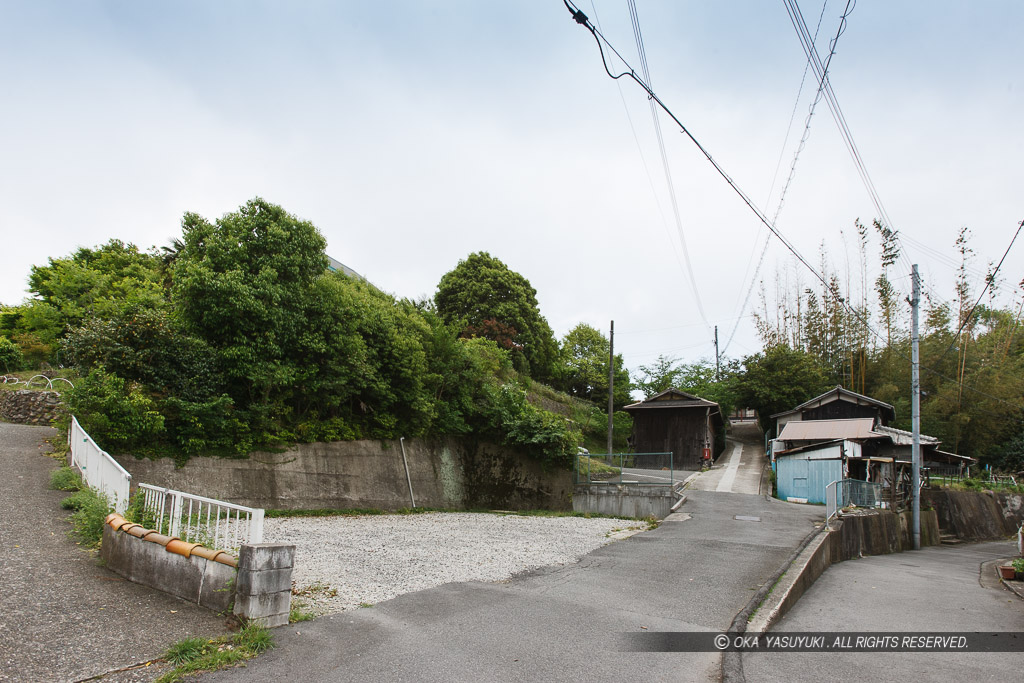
[(263, 586)]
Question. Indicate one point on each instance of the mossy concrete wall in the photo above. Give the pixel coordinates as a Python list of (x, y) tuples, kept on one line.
[(976, 515), (879, 532), (446, 473)]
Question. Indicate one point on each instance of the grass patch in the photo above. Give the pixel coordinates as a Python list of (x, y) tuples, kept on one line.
[(90, 510), (299, 612), (66, 479), (193, 655)]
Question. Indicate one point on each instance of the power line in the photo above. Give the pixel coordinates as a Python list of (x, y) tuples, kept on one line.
[(988, 283), (580, 18), (599, 38), (638, 36), (796, 155)]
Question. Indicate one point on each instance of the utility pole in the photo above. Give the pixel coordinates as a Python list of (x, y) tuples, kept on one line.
[(915, 407), (718, 367), (611, 383)]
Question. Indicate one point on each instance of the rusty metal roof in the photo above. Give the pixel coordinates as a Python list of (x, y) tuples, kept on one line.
[(828, 430)]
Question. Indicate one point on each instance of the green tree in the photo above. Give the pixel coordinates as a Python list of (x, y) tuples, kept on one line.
[(582, 369), (94, 283), (778, 379), (663, 374), (241, 284), (706, 380), (487, 299)]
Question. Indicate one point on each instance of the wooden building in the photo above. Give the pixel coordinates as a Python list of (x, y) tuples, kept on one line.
[(676, 422), (837, 404)]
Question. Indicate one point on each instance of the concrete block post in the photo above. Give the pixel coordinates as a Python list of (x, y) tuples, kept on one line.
[(263, 585)]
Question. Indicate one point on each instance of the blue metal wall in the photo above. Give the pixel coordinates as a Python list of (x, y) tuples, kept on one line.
[(798, 476)]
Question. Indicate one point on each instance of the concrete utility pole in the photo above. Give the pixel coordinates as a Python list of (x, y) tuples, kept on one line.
[(915, 407), (611, 383)]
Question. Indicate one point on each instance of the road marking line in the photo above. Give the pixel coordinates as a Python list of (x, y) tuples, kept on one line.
[(729, 477)]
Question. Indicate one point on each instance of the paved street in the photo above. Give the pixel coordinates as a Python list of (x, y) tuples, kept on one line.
[(934, 589), (62, 616), (738, 469), (560, 623)]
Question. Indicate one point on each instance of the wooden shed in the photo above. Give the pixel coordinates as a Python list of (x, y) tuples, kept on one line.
[(677, 422)]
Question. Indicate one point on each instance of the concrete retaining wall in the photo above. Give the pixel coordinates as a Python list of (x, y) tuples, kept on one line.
[(625, 501), (257, 586), (873, 532), (446, 473), (29, 407), (196, 579), (976, 515)]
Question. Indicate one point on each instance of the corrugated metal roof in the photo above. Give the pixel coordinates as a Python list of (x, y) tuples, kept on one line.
[(827, 430), (904, 438)]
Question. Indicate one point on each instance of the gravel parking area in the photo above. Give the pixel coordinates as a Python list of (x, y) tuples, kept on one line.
[(347, 562)]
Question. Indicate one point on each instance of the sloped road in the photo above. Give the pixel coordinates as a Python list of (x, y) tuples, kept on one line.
[(62, 616)]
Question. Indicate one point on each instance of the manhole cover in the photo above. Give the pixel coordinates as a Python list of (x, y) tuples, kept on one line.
[(747, 518)]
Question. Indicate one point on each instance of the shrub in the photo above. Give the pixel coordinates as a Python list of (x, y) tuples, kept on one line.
[(116, 414), (10, 355), (65, 479), (90, 513)]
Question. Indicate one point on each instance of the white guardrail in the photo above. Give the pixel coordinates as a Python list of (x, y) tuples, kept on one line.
[(99, 470), (195, 519)]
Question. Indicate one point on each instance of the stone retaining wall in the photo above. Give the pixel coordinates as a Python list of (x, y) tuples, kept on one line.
[(29, 407), (976, 515)]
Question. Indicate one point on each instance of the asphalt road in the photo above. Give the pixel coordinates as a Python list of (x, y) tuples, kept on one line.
[(563, 623), (62, 616), (934, 589)]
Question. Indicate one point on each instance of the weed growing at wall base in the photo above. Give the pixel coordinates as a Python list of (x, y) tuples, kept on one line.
[(90, 513), (193, 655)]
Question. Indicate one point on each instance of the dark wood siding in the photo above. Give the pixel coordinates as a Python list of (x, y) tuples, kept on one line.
[(840, 410), (680, 431)]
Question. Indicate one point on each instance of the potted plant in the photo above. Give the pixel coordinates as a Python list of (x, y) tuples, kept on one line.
[(1007, 572), (1018, 567)]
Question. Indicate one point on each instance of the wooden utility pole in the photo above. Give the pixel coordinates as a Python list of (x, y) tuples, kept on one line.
[(915, 408), (611, 383), (718, 367)]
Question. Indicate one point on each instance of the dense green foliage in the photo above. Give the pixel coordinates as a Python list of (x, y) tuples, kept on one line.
[(11, 357), (778, 379), (972, 358), (237, 337), (582, 368), (487, 299)]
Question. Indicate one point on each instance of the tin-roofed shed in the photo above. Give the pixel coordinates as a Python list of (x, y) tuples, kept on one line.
[(677, 422)]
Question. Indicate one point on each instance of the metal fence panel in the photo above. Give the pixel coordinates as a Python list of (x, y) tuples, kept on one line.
[(196, 519), (634, 469), (99, 470)]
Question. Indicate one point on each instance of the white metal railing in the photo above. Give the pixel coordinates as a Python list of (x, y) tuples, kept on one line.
[(196, 519), (99, 470), (831, 502)]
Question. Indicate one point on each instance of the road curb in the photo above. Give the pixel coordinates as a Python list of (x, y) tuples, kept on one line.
[(732, 662)]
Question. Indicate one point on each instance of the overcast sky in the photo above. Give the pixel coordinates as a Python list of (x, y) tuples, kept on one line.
[(414, 133)]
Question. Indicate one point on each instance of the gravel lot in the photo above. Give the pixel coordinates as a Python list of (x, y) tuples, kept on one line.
[(346, 562)]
